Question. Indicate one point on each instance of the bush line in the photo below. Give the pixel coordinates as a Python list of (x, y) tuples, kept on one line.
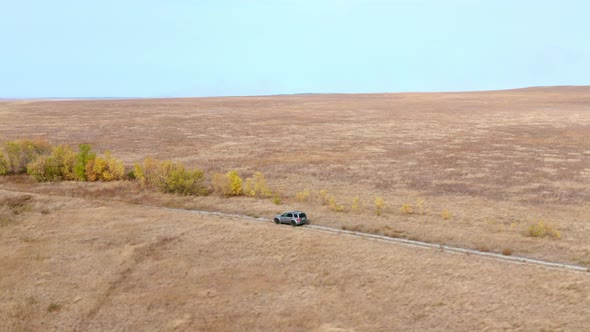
[(46, 163)]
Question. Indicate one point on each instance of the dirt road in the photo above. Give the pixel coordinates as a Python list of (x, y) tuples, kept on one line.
[(84, 265)]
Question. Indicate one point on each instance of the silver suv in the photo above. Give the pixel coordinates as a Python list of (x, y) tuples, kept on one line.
[(295, 218)]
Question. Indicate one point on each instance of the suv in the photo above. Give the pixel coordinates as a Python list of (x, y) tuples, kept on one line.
[(295, 218)]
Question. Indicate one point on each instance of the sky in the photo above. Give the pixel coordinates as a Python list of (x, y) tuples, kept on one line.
[(182, 48)]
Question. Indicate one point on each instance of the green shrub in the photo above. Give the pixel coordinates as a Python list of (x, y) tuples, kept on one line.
[(84, 156)]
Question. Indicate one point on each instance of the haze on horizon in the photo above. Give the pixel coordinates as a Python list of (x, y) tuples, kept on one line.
[(73, 49)]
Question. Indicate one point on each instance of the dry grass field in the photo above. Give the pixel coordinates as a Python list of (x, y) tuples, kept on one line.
[(92, 265), (497, 162)]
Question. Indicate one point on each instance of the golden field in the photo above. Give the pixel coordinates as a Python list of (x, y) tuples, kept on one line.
[(497, 162)]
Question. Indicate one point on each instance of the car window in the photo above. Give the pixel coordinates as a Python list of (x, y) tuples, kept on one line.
[(302, 215), (283, 215), (289, 215)]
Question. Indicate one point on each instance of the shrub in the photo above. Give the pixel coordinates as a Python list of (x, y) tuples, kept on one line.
[(53, 307), (356, 205), (58, 166), (170, 177), (303, 196), (407, 208), (82, 159), (43, 169), (333, 205), (256, 186), (146, 172), (229, 184), (329, 200), (235, 183), (22, 152), (220, 183), (379, 205), (104, 169), (3, 165), (276, 199), (174, 178), (541, 229), (65, 159)]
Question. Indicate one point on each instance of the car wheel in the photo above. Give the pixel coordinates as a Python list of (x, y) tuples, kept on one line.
[(293, 223), (277, 221)]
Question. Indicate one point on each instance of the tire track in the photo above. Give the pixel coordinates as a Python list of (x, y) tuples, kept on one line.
[(376, 237), (404, 242)]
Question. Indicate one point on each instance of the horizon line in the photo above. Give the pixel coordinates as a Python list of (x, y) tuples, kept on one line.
[(281, 94)]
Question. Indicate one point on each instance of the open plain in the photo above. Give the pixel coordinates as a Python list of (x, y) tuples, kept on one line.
[(92, 256)]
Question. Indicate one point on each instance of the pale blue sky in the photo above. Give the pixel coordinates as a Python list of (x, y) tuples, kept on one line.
[(154, 48)]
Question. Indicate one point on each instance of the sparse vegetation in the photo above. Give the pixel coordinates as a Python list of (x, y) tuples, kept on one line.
[(446, 215), (379, 205), (53, 307), (13, 206), (460, 152), (329, 200), (356, 205), (303, 195), (323, 197), (333, 205), (542, 229), (421, 206), (276, 199), (407, 208), (17, 204)]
